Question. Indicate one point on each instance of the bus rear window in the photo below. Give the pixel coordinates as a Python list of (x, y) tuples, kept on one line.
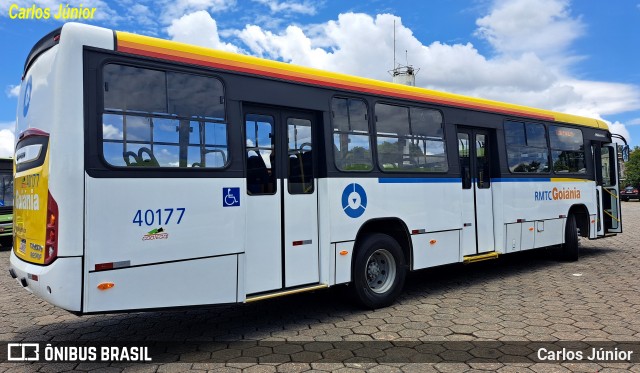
[(155, 118), (129, 88)]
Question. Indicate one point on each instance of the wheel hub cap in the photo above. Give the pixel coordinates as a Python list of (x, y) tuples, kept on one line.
[(381, 271)]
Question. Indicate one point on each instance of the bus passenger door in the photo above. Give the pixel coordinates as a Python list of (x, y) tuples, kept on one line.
[(477, 199), (282, 222), (608, 189)]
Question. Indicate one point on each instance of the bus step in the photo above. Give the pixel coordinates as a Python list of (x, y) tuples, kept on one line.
[(607, 235), (256, 298), (480, 257)]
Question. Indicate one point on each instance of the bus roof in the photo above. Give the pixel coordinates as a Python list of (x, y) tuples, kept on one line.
[(185, 53)]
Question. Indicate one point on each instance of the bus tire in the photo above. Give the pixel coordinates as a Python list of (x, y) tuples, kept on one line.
[(570, 248), (379, 271), (6, 243)]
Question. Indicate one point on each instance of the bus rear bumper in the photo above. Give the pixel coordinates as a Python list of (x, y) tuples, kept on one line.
[(59, 283)]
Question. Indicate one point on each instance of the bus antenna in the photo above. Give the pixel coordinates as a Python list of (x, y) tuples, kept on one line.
[(402, 74)]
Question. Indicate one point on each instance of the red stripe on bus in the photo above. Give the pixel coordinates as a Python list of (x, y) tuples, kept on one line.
[(103, 266)]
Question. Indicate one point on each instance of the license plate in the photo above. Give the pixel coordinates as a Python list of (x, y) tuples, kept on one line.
[(23, 247)]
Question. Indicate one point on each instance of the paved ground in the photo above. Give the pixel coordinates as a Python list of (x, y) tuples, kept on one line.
[(453, 319)]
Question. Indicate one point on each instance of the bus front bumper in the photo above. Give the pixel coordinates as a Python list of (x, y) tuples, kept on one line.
[(59, 283), (6, 229)]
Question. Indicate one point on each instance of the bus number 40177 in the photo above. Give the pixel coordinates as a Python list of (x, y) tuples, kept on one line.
[(150, 217)]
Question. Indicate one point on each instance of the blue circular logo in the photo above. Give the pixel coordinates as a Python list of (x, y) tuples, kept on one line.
[(26, 100), (354, 200)]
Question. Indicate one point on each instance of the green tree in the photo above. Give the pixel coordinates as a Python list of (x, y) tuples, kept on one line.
[(632, 168)]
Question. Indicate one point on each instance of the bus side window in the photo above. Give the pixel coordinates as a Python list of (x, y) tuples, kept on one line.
[(567, 150), (465, 160), (260, 145), (351, 140), (410, 139), (607, 166), (527, 150), (482, 161), (300, 154), (428, 149)]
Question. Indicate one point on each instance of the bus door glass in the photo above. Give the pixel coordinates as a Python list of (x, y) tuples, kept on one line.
[(282, 206), (474, 155), (609, 188)]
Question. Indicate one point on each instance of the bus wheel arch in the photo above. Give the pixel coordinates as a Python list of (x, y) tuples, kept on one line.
[(581, 214), (577, 223), (394, 227), (380, 262)]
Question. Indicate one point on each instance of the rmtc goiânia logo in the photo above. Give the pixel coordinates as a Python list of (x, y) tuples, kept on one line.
[(556, 194)]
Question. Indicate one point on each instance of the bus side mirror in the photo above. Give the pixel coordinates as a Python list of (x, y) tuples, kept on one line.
[(625, 153)]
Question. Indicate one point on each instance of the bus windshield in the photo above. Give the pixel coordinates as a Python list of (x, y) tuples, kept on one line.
[(6, 189)]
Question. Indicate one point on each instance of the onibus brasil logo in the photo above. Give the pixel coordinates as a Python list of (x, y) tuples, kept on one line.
[(156, 234)]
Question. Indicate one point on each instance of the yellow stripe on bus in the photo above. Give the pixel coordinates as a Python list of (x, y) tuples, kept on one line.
[(134, 43), (568, 180)]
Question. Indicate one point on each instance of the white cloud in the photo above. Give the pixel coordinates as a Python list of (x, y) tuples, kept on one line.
[(288, 6), (8, 126), (634, 122), (173, 9), (530, 66), (7, 139), (292, 45), (620, 129), (531, 62), (13, 91), (343, 45), (540, 26), (346, 45), (142, 15), (200, 29), (110, 131), (600, 98)]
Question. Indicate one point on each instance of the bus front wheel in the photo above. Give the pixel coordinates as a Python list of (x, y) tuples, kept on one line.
[(379, 271), (570, 247)]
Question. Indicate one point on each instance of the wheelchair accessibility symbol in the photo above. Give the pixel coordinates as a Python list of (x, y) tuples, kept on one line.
[(230, 197), (354, 200)]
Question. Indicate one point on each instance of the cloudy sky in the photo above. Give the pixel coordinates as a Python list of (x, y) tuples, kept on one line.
[(578, 57)]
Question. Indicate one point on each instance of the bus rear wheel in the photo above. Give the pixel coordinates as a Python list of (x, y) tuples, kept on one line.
[(379, 271), (570, 248)]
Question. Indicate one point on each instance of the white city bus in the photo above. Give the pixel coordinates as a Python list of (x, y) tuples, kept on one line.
[(152, 174)]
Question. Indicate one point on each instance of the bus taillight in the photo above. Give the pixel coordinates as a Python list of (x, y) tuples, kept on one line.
[(51, 245), (31, 132)]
